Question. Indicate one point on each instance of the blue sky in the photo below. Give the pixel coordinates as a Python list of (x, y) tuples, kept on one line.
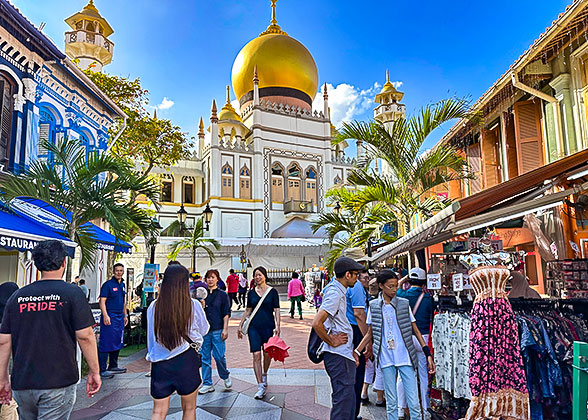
[(184, 50)]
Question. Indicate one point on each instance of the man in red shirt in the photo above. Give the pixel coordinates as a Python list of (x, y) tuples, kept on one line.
[(233, 288)]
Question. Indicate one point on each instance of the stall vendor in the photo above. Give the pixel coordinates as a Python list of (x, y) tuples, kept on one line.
[(113, 306)]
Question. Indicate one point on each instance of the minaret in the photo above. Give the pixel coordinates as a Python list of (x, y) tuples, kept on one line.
[(213, 125), (201, 138), (390, 108), (88, 41), (255, 87), (326, 110)]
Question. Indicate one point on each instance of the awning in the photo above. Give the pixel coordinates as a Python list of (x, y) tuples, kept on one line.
[(23, 234), (51, 219), (444, 226), (298, 227)]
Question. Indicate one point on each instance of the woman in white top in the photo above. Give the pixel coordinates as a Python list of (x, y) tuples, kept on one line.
[(175, 323)]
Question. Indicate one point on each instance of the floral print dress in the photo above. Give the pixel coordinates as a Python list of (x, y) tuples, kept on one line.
[(497, 376)]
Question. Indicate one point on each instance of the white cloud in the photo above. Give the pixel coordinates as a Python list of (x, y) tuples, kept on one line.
[(165, 103), (236, 105), (348, 102)]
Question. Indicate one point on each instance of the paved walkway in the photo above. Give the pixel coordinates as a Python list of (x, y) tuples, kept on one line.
[(299, 391)]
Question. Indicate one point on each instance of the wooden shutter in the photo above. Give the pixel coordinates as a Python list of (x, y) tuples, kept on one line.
[(490, 158), (528, 135), (511, 146), (475, 163), (44, 130), (5, 119)]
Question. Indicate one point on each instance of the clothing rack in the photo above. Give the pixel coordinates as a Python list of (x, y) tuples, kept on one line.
[(449, 303)]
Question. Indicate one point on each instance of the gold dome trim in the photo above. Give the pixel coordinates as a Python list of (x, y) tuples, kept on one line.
[(228, 112)]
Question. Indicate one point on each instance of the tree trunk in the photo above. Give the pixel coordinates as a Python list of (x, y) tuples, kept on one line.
[(411, 255)]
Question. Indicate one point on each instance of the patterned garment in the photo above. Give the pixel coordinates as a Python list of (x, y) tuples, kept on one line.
[(497, 377), (451, 336)]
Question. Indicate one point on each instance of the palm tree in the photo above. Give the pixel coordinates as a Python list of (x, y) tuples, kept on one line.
[(412, 172), (195, 240), (82, 189), (349, 228)]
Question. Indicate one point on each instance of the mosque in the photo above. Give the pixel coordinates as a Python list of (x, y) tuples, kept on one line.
[(260, 172)]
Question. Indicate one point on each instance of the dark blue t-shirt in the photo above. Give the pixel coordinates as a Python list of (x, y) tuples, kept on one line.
[(217, 307), (264, 318), (114, 292), (424, 315)]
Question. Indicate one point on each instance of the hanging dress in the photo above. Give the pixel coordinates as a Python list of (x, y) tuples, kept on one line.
[(497, 377)]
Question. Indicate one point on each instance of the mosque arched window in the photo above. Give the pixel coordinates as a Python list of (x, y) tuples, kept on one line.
[(90, 27), (245, 183), (46, 131), (337, 181), (310, 185), (294, 182), (6, 110), (167, 188), (188, 185), (227, 181), (277, 183)]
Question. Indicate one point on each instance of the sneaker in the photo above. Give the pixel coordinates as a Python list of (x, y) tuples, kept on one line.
[(206, 389), (106, 375), (364, 400), (264, 379), (260, 392), (117, 370), (228, 383)]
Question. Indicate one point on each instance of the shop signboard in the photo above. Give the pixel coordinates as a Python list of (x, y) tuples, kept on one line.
[(467, 284), (434, 281), (150, 277), (473, 243), (457, 282)]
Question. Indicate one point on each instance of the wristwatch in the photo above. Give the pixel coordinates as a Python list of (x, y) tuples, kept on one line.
[(357, 352)]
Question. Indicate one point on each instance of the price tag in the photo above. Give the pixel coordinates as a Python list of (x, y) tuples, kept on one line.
[(467, 284), (457, 282), (434, 281)]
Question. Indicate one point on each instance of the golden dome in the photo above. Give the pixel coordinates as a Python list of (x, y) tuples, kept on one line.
[(281, 62), (228, 112)]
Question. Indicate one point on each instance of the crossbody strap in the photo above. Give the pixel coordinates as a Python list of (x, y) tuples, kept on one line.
[(269, 288), (418, 303)]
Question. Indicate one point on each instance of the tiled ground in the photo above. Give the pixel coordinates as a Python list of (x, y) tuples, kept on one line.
[(299, 391)]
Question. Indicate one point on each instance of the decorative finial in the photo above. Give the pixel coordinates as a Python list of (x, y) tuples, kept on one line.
[(213, 116), (228, 95), (201, 127), (325, 94), (273, 28), (387, 76), (274, 21), (255, 78)]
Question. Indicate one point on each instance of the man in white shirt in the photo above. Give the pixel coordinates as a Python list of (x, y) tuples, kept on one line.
[(333, 327), (391, 327)]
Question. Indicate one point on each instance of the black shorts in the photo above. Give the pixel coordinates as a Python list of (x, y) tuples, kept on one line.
[(258, 337), (181, 374)]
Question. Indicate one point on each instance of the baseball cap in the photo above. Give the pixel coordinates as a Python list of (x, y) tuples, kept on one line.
[(345, 264), (417, 274)]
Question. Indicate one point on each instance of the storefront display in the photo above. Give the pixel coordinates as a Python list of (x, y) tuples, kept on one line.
[(567, 278)]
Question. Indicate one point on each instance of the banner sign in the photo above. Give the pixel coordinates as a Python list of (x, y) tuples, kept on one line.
[(434, 281), (13, 242), (150, 277)]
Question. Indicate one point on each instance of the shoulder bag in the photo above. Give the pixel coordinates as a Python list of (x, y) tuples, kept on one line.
[(418, 303), (247, 322)]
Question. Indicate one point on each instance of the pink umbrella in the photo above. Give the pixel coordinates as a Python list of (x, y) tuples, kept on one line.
[(276, 348)]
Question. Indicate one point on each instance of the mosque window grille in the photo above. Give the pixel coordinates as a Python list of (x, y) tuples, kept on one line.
[(167, 188), (188, 184), (46, 131), (227, 181), (245, 183)]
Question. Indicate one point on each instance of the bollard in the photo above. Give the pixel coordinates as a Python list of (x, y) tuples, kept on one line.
[(580, 387)]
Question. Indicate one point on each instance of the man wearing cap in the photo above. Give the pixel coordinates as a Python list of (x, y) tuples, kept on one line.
[(357, 314), (333, 327), (421, 305)]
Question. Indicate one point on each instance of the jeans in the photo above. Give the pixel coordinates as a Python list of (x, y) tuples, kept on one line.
[(45, 404), (409, 381), (359, 370), (341, 371), (111, 357), (423, 371), (213, 344), (293, 300)]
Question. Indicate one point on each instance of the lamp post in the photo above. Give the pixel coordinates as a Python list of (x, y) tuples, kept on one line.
[(182, 214), (153, 239), (207, 216)]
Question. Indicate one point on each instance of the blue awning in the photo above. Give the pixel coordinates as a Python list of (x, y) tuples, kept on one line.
[(23, 234), (46, 215)]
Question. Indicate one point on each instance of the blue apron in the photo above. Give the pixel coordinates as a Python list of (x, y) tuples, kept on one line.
[(111, 336)]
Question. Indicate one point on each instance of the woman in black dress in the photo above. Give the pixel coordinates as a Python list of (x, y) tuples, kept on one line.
[(262, 326)]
